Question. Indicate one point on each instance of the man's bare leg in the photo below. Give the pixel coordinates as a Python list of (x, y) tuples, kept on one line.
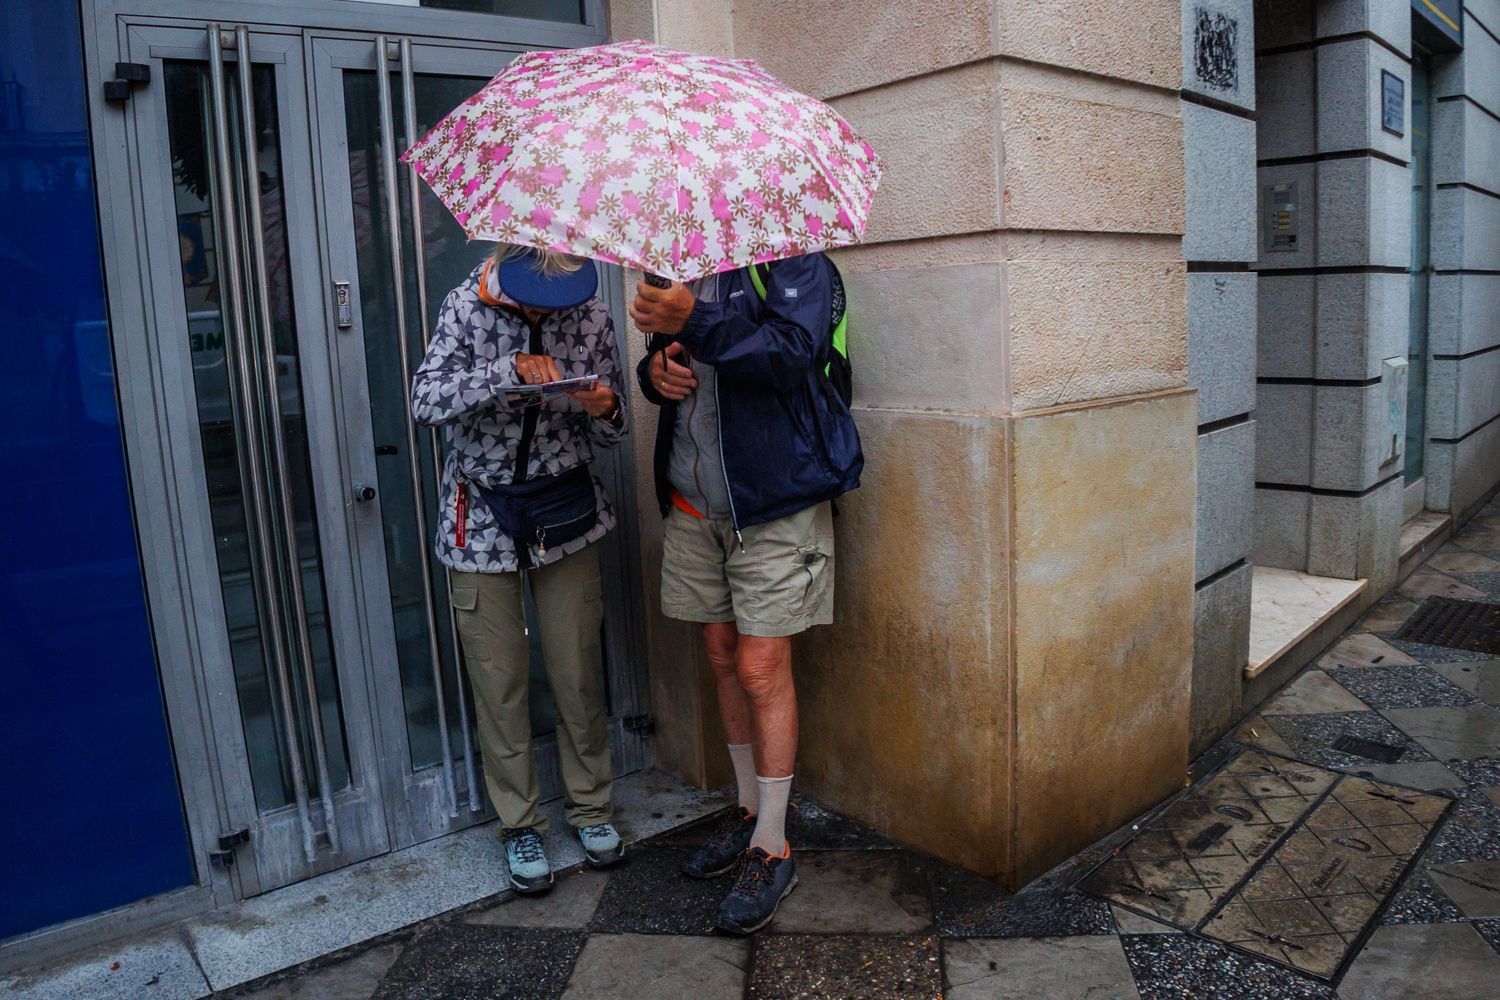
[(764, 669), (721, 640)]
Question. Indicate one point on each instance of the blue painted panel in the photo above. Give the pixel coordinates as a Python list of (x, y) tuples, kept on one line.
[(90, 814)]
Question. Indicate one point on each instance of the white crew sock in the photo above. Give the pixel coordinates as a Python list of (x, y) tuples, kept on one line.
[(744, 774), (770, 822)]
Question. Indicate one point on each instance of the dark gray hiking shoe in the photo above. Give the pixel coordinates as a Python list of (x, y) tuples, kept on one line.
[(762, 884), (725, 843)]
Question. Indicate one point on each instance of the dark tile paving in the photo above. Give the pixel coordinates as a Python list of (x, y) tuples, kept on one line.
[(1180, 967), (1471, 832), (1419, 901), (1487, 582), (1311, 737), (1423, 653), (1401, 687), (459, 962), (966, 905), (1483, 772), (650, 895), (1490, 931), (845, 967)]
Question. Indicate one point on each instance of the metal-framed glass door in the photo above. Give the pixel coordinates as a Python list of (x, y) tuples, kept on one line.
[(395, 260), (236, 304), (271, 288)]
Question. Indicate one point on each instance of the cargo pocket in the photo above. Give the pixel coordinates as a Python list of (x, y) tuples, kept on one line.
[(817, 576), (465, 597)]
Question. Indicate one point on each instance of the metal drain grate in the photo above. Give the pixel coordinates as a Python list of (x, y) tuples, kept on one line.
[(1447, 621)]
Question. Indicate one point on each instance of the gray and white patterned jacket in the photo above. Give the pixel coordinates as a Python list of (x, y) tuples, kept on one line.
[(471, 358)]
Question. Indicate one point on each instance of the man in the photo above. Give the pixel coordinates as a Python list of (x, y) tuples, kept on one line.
[(753, 445)]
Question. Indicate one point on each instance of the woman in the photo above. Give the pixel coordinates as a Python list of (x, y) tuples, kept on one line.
[(519, 497)]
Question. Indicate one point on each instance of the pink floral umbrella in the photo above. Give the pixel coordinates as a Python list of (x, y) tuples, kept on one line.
[(673, 163)]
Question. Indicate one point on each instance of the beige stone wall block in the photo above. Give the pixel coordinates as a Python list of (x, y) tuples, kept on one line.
[(630, 19), (938, 139), (1085, 165), (831, 47), (1135, 40), (1095, 329), (929, 338), (691, 25), (697, 25), (1103, 618), (904, 701)]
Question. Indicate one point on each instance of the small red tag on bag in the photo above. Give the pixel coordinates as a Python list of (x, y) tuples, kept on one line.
[(460, 514)]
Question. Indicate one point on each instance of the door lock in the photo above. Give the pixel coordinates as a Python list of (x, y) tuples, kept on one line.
[(363, 492), (343, 308)]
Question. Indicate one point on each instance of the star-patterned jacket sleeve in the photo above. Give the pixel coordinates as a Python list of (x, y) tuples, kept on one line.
[(452, 381), (606, 353)]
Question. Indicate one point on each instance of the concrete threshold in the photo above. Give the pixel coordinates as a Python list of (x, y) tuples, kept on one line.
[(1421, 537), (296, 924), (1287, 607)]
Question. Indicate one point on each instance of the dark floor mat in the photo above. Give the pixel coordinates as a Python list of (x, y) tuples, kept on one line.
[(1274, 857), (1456, 624)]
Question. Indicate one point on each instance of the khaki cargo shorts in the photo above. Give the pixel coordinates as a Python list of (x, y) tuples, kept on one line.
[(781, 584)]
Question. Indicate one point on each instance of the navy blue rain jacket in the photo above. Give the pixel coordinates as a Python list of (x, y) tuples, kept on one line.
[(787, 438)]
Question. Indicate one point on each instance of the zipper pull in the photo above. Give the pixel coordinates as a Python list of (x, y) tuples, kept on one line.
[(740, 540), (541, 545)]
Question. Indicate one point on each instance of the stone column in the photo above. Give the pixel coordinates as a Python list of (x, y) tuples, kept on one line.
[(1009, 676), (1218, 118)]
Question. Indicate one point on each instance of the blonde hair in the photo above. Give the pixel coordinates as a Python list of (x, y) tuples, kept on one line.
[(550, 263)]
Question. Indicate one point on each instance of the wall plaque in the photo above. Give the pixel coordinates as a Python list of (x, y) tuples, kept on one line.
[(1392, 103), (1280, 202)]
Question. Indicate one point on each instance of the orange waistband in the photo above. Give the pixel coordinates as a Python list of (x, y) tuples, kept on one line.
[(680, 502)]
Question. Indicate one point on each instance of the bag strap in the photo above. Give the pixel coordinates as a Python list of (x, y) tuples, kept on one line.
[(839, 319), (530, 417)]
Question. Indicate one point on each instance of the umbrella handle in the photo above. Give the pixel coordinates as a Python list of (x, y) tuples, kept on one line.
[(655, 281)]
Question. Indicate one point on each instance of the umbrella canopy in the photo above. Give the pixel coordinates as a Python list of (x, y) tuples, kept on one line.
[(673, 163)]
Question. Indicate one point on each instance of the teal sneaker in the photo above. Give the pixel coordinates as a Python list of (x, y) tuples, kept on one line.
[(529, 870), (602, 844)]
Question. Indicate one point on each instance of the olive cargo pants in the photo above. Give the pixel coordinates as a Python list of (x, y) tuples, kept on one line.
[(492, 625)]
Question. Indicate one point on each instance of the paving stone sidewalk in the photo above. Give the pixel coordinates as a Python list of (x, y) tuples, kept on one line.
[(874, 919)]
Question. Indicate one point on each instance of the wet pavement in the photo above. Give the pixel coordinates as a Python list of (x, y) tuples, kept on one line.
[(1343, 841)]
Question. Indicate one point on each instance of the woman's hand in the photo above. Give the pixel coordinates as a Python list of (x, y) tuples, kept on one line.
[(532, 369), (597, 402)]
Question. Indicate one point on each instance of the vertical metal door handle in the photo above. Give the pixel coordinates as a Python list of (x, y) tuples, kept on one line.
[(414, 185), (291, 554), (398, 291), (236, 355)]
